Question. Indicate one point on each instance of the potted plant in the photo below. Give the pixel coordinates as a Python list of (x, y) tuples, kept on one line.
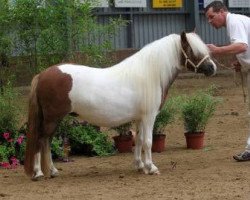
[(82, 138), (164, 117), (196, 111), (123, 141)]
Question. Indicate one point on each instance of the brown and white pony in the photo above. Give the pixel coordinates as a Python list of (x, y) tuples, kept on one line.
[(132, 90)]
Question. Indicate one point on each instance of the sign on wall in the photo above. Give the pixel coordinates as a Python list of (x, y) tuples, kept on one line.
[(239, 3), (167, 3), (98, 3), (130, 3)]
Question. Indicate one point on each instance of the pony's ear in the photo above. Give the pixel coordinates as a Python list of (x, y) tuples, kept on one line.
[(184, 41)]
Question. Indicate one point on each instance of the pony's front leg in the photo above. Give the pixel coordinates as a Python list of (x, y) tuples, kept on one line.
[(38, 174), (139, 165), (150, 168)]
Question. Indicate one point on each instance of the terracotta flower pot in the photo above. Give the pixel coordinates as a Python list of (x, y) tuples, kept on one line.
[(195, 140), (123, 143), (158, 143)]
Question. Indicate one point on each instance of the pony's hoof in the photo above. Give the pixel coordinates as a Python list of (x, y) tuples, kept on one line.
[(155, 173), (54, 175), (37, 178), (140, 170), (152, 171)]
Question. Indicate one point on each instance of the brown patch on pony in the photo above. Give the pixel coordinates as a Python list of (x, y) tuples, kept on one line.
[(49, 103), (185, 46), (52, 92), (188, 50), (163, 99)]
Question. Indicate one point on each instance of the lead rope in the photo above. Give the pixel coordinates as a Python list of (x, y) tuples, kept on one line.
[(241, 77)]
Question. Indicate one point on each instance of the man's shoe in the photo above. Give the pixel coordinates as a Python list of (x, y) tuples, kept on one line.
[(244, 156)]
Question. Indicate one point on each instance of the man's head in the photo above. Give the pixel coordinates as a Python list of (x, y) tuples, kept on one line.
[(216, 13)]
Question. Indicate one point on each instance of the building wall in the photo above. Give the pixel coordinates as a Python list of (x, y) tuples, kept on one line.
[(148, 24)]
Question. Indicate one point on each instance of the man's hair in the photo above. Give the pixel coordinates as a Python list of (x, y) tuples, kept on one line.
[(217, 6)]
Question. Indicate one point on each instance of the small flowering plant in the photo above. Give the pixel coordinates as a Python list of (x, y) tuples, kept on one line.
[(11, 149)]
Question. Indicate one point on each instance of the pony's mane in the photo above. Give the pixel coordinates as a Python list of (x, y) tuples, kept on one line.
[(164, 51), (197, 44), (152, 68), (160, 55)]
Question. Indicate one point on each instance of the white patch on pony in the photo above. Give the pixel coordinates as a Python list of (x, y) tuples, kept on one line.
[(128, 90)]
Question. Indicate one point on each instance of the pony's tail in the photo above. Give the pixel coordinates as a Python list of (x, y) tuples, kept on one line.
[(34, 129)]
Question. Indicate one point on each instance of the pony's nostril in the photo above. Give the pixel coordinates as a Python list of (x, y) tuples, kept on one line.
[(209, 70)]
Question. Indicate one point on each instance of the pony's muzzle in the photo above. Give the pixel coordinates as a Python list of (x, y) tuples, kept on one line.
[(207, 69)]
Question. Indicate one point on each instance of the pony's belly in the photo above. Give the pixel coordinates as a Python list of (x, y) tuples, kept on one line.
[(106, 116)]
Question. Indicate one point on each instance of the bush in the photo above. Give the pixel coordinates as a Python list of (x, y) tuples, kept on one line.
[(51, 32), (11, 149), (197, 109), (123, 129), (85, 139), (11, 141), (9, 116), (88, 139), (166, 115)]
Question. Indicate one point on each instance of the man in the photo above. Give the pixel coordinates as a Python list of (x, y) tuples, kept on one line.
[(238, 30)]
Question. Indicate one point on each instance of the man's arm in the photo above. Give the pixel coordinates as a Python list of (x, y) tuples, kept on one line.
[(234, 48)]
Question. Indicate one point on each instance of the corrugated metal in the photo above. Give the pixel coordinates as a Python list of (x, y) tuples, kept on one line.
[(145, 29), (148, 24), (148, 28)]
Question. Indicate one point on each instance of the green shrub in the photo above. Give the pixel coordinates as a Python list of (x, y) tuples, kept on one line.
[(85, 139), (9, 112), (5, 153), (10, 139), (123, 129), (57, 147), (197, 109), (51, 32), (166, 115), (94, 142)]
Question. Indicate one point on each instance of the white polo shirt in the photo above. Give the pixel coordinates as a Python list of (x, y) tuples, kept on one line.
[(238, 30)]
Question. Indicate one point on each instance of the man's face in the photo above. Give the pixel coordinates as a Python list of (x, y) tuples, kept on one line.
[(216, 19)]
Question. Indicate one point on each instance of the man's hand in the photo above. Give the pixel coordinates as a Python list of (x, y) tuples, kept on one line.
[(236, 65), (212, 48)]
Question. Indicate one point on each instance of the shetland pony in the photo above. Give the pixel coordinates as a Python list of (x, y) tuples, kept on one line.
[(133, 90)]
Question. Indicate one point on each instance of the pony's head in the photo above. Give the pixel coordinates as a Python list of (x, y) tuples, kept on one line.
[(195, 54)]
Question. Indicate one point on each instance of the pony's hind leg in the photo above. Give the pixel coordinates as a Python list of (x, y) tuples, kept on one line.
[(38, 174), (53, 171), (139, 165), (46, 163)]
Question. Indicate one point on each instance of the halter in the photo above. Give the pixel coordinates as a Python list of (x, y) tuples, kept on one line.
[(191, 62)]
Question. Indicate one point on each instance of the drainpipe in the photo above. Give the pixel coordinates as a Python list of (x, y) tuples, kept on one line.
[(193, 16)]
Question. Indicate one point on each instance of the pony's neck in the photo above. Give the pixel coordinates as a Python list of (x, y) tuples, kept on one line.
[(173, 62), (173, 68)]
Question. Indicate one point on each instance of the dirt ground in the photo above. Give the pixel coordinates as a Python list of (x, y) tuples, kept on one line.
[(207, 174)]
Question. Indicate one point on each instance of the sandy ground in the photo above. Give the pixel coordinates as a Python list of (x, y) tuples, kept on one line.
[(210, 173)]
